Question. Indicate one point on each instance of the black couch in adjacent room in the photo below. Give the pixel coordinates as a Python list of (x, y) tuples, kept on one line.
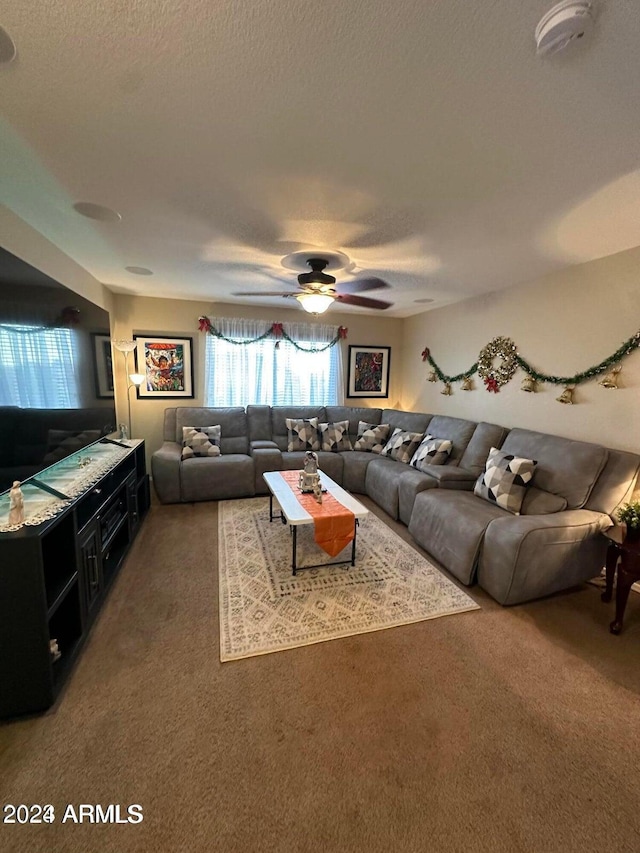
[(32, 439)]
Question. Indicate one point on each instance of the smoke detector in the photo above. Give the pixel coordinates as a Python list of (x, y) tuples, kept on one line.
[(567, 22)]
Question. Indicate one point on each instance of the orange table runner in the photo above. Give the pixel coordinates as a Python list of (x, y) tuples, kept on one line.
[(334, 524)]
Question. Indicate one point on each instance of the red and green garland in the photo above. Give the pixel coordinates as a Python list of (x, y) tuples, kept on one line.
[(275, 331), (499, 360)]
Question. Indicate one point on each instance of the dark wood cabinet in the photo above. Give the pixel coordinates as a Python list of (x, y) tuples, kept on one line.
[(90, 564), (55, 575)]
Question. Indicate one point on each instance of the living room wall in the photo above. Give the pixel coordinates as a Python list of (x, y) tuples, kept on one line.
[(133, 315), (26, 243), (562, 324)]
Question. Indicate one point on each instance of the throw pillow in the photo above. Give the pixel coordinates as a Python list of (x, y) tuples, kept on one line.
[(200, 441), (402, 445), (505, 480), (335, 437), (303, 434), (371, 437), (432, 451)]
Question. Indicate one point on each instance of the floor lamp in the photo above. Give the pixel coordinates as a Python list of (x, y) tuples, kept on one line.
[(134, 380)]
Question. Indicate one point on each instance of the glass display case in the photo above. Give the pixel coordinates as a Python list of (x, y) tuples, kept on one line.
[(51, 490), (56, 567)]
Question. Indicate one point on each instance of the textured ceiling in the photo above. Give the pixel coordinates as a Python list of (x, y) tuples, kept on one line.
[(427, 141)]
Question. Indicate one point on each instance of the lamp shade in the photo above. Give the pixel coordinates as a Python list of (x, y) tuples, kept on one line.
[(136, 378), (315, 303), (124, 346)]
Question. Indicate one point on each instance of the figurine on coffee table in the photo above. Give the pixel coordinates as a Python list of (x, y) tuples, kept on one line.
[(309, 476)]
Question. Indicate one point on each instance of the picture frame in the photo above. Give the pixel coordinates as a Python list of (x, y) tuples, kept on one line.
[(368, 371), (167, 364), (102, 365)]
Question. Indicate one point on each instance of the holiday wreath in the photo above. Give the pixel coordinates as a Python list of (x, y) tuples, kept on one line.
[(496, 376)]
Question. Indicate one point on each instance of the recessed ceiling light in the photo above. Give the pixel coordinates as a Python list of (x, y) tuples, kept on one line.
[(96, 211), (422, 301), (7, 47), (139, 270)]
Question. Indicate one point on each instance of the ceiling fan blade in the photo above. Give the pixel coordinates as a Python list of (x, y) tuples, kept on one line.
[(363, 301), (265, 293), (359, 285)]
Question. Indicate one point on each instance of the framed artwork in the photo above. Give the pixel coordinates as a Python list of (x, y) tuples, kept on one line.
[(368, 374), (167, 365), (102, 365)]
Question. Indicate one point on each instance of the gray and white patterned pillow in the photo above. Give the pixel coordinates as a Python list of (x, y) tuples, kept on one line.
[(402, 445), (431, 451), (200, 441), (371, 437), (505, 480), (303, 434), (335, 436)]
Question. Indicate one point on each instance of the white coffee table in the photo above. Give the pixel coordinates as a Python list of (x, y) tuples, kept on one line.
[(294, 514)]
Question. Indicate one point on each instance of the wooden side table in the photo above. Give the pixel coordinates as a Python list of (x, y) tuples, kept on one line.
[(628, 553)]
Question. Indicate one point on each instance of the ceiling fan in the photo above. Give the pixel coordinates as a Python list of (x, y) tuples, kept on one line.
[(317, 290)]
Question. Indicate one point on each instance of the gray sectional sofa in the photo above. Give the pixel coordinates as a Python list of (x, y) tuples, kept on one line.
[(555, 542)]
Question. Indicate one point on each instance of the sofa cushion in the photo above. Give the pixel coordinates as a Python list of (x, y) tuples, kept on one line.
[(334, 437), (485, 436), (371, 437), (354, 414), (302, 434), (355, 464), (538, 502), (63, 442), (616, 482), (410, 483), (451, 526), (200, 441), (382, 483), (565, 467), (452, 477), (505, 480), (234, 427), (28, 454), (409, 421), (402, 445), (215, 479), (431, 451), (459, 431)]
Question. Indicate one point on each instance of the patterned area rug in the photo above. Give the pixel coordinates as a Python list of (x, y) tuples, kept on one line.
[(264, 609)]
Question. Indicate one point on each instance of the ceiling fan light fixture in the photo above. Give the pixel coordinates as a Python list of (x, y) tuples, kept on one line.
[(315, 303)]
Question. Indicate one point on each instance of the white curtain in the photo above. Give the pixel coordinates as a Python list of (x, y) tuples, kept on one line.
[(39, 367), (240, 374)]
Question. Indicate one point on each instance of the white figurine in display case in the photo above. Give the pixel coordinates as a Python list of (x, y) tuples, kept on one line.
[(16, 504)]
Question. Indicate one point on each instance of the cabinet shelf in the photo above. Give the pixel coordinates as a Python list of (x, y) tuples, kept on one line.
[(56, 574), (59, 598), (106, 545)]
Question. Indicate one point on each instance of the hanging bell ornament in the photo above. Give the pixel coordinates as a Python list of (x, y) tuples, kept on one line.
[(431, 377), (529, 384), (610, 380), (566, 396), (447, 389), (467, 384)]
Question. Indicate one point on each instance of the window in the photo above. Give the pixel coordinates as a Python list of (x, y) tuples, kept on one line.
[(38, 367), (238, 374)]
